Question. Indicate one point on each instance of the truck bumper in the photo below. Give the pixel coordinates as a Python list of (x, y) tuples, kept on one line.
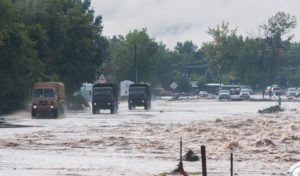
[(44, 109), (102, 105)]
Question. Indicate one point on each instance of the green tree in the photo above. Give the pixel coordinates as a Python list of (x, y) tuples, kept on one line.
[(184, 85), (291, 70), (69, 39), (122, 54), (250, 65), (277, 36), (19, 66), (223, 50), (165, 71)]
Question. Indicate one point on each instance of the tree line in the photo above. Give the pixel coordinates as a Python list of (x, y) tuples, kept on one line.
[(266, 58), (47, 41), (63, 41)]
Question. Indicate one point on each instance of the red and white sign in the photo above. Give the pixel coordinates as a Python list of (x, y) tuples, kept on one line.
[(101, 79)]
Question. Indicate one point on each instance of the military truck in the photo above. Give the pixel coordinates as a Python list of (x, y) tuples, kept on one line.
[(105, 96), (48, 98), (139, 95)]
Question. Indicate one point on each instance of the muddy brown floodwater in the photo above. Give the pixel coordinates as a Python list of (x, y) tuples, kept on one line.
[(142, 142)]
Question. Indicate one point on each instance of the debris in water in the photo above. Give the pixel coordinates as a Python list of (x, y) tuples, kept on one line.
[(11, 144), (289, 137), (264, 142), (190, 156), (219, 120), (292, 127), (232, 144), (271, 109)]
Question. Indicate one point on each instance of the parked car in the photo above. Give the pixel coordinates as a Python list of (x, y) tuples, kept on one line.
[(248, 88), (291, 92), (276, 90), (268, 90), (245, 94), (203, 94), (294, 170), (224, 94), (273, 90)]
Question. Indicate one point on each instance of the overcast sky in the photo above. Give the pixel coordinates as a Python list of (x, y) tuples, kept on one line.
[(171, 21)]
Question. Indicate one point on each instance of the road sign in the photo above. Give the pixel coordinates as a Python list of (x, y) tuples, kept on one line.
[(174, 85), (101, 79)]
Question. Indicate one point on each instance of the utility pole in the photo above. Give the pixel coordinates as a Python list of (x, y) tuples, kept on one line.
[(135, 63)]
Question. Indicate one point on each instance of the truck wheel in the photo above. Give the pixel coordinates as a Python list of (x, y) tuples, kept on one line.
[(62, 110), (146, 106), (55, 113), (33, 113), (112, 110), (94, 110), (129, 106)]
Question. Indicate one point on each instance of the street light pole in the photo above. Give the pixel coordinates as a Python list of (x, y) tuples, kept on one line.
[(135, 63)]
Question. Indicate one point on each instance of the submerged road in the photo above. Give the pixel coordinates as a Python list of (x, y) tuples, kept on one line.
[(136, 142)]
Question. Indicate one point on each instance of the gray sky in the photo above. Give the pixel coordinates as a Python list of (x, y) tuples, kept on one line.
[(171, 21)]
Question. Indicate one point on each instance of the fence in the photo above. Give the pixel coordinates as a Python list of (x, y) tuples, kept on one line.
[(225, 168)]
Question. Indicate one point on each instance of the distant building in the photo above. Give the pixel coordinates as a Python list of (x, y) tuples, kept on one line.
[(213, 87), (124, 87)]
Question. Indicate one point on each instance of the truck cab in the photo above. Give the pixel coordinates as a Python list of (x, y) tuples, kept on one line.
[(139, 95), (105, 96), (47, 99)]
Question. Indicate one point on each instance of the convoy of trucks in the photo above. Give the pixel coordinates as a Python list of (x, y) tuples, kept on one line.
[(48, 98)]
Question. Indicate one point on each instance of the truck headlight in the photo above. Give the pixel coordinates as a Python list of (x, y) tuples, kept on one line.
[(95, 104), (34, 107), (108, 103), (51, 106)]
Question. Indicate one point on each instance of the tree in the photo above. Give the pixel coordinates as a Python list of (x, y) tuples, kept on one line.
[(19, 66), (276, 35), (122, 55), (251, 61), (184, 85), (68, 37), (166, 69), (223, 50)]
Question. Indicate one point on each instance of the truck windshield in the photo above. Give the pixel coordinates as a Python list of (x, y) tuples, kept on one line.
[(48, 93), (43, 93), (38, 93), (137, 90), (102, 91)]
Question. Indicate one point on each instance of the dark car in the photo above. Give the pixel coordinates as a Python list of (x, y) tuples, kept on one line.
[(224, 94), (139, 95), (245, 94), (105, 96)]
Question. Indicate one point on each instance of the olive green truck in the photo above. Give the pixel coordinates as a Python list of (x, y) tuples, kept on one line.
[(48, 98)]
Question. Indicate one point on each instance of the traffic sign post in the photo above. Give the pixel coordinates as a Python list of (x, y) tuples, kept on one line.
[(101, 79), (173, 85)]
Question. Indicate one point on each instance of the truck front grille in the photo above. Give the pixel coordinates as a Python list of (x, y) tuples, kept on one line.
[(43, 102)]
